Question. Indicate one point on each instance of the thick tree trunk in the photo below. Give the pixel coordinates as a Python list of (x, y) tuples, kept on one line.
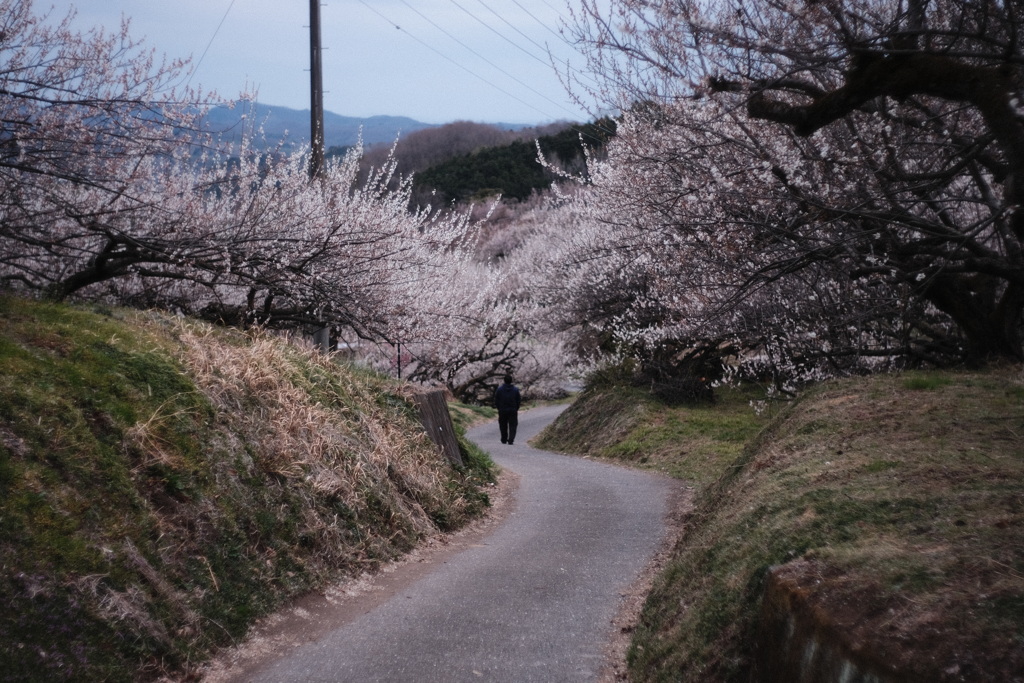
[(990, 314)]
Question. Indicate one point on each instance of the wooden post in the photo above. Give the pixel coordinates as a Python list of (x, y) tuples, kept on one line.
[(438, 422)]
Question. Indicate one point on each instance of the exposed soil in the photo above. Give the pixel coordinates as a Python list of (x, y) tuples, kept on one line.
[(885, 634)]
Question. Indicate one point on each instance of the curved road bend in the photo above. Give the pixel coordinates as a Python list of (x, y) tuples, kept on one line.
[(533, 602)]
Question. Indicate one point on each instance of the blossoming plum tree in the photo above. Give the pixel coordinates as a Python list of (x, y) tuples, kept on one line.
[(796, 180), (111, 188), (464, 320)]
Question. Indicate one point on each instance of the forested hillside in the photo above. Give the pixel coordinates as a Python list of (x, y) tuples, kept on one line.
[(420, 149), (289, 127), (512, 170)]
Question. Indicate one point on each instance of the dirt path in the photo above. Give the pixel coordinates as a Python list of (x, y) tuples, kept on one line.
[(541, 590)]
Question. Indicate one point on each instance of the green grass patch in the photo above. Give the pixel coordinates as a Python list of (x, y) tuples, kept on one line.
[(926, 381), (631, 425), (466, 415)]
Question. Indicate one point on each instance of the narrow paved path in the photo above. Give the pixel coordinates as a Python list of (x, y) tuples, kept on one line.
[(533, 601)]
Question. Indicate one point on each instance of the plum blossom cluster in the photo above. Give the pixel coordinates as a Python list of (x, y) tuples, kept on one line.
[(464, 318), (794, 188)]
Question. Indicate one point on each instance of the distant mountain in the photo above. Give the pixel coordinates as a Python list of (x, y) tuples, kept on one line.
[(292, 125)]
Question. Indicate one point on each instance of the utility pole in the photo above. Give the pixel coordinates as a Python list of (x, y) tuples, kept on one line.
[(316, 92), (322, 337)]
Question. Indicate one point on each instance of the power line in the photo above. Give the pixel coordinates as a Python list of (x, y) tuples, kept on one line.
[(463, 67), (495, 66), (545, 48), (472, 73), (446, 57), (576, 73), (502, 36), (212, 38), (555, 33)]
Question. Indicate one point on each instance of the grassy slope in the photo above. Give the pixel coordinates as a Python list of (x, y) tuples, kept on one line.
[(901, 498), (162, 484), (628, 424)]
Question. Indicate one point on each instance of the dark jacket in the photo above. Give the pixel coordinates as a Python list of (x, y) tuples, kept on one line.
[(506, 398)]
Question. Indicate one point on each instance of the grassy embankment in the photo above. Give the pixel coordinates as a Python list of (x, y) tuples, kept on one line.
[(164, 483), (899, 498)]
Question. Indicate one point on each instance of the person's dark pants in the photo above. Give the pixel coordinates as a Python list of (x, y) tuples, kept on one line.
[(508, 421)]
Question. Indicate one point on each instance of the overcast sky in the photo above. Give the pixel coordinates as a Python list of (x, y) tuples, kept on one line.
[(435, 61)]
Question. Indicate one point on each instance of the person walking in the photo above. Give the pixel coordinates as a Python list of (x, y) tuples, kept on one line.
[(506, 400)]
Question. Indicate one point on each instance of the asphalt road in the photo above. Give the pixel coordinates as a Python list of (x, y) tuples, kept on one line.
[(532, 601)]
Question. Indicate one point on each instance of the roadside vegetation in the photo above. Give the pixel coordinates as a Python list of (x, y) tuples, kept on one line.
[(465, 415), (163, 483), (894, 501), (620, 422)]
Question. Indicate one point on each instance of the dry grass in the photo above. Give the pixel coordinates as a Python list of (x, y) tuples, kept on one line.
[(297, 413)]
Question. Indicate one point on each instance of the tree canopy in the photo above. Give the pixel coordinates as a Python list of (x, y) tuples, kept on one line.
[(794, 190), (822, 187)]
